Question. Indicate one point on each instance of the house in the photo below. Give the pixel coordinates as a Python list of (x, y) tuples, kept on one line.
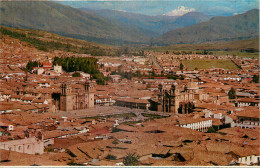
[(115, 78), (30, 145), (245, 102), (249, 118), (44, 84), (57, 68), (27, 99), (15, 97), (104, 100)]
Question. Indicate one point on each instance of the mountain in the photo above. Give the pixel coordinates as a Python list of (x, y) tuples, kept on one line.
[(67, 21), (238, 27), (152, 24), (191, 18)]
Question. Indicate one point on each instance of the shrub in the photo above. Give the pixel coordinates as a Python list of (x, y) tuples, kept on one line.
[(131, 159), (76, 74), (110, 157)]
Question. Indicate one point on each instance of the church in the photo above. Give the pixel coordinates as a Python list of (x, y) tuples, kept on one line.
[(179, 99), (75, 96)]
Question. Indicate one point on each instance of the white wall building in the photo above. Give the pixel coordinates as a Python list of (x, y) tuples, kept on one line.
[(199, 126), (249, 160)]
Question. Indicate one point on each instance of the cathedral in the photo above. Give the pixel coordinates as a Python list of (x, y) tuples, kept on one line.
[(179, 99), (75, 96)]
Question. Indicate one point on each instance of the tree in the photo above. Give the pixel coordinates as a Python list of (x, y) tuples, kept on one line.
[(232, 93), (256, 78), (211, 130), (110, 157), (131, 159), (76, 74), (181, 66)]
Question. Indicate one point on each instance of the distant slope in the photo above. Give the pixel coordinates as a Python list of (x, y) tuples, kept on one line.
[(242, 26), (46, 41), (152, 24), (191, 18), (216, 46), (68, 21)]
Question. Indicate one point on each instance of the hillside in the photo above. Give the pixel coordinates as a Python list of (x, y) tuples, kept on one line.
[(216, 46), (238, 27), (152, 25), (46, 41), (67, 21)]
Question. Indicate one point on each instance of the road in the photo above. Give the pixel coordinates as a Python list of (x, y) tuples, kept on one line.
[(153, 59)]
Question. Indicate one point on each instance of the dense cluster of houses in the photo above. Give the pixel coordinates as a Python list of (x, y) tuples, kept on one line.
[(49, 116)]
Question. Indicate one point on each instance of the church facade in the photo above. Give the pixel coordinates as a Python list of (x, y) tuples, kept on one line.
[(179, 99), (76, 97)]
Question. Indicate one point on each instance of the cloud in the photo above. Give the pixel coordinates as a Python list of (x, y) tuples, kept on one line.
[(181, 10)]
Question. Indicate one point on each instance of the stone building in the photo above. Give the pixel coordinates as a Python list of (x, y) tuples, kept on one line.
[(30, 145), (179, 98), (75, 97)]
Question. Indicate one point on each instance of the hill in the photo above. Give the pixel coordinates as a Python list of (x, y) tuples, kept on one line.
[(238, 27), (67, 21), (151, 25), (46, 41), (216, 46)]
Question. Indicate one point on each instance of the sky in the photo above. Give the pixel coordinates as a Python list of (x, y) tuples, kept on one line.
[(170, 7)]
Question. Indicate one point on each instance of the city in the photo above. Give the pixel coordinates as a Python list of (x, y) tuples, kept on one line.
[(78, 103)]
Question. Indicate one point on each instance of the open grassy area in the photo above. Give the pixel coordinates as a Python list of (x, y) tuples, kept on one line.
[(153, 116), (238, 53), (208, 64), (123, 115)]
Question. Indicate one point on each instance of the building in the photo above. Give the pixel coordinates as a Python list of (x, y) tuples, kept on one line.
[(247, 119), (115, 78), (199, 124), (249, 160), (57, 68), (30, 145), (245, 102), (178, 99), (75, 97), (133, 103)]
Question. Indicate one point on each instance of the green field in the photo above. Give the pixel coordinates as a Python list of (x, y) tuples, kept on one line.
[(238, 53), (208, 64)]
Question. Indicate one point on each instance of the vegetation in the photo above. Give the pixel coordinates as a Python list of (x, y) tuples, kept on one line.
[(209, 63), (73, 163), (51, 43), (152, 25), (76, 74), (124, 115), (110, 157), (153, 116), (68, 21), (232, 93), (32, 64), (131, 159), (256, 78), (238, 47), (181, 66), (85, 64), (211, 130)]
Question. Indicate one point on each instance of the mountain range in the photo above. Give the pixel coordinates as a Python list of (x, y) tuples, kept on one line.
[(118, 27), (238, 27), (156, 24)]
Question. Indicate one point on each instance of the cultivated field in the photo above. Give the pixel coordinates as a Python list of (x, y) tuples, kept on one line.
[(208, 64)]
